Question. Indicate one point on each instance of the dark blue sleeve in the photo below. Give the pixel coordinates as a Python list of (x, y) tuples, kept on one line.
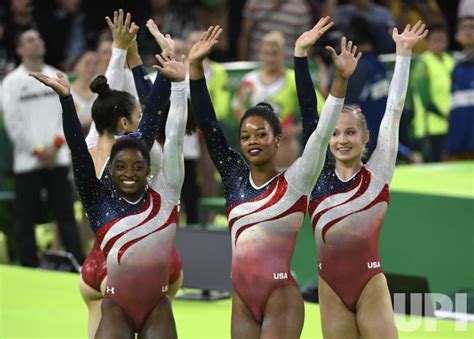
[(158, 99), (306, 97), (356, 83), (87, 184), (142, 83), (226, 160)]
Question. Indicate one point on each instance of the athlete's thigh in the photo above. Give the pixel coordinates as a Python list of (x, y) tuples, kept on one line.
[(284, 314), (88, 293), (337, 320), (114, 323), (375, 317), (243, 324), (175, 286), (160, 323)]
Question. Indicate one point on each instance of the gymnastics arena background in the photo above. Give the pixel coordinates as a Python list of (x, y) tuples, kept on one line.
[(428, 236)]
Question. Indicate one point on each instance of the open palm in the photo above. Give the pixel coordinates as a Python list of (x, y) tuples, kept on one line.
[(170, 68), (123, 31), (203, 47), (167, 44), (309, 38), (60, 85), (346, 61), (409, 37)]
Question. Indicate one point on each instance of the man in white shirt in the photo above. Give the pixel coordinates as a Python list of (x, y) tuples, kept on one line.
[(33, 121)]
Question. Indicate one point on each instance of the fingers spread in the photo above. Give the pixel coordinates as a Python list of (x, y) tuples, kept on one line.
[(343, 43), (331, 51)]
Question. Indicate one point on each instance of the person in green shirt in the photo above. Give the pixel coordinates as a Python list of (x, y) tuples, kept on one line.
[(431, 83)]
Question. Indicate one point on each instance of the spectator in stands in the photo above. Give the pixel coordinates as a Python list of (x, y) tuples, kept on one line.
[(275, 84), (104, 51), (64, 32), (368, 86), (410, 11), (32, 115), (431, 83), (380, 20), (461, 119), (18, 19), (465, 8), (291, 17), (85, 69)]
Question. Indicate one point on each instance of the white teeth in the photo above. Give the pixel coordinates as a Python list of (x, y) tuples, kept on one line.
[(254, 151), (128, 182)]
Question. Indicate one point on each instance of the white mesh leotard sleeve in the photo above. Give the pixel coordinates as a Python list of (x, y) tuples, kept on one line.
[(304, 172), (382, 161)]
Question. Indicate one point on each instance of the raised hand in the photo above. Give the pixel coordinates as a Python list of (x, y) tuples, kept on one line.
[(309, 38), (203, 47), (60, 85), (171, 69), (167, 44), (346, 61), (123, 32), (409, 37), (133, 57)]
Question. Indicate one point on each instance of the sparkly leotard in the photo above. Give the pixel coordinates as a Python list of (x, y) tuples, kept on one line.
[(94, 269), (263, 220), (347, 215), (135, 237)]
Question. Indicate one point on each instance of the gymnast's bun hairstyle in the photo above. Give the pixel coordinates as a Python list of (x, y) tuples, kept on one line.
[(110, 105), (100, 86), (265, 111)]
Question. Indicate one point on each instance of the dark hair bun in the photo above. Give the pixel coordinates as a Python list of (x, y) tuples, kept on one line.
[(100, 86), (266, 105)]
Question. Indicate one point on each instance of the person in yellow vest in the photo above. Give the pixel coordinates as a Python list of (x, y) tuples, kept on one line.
[(410, 11), (432, 94), (273, 83)]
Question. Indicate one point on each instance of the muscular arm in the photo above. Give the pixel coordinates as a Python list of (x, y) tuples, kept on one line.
[(84, 173), (304, 173), (157, 101), (142, 83), (224, 158), (382, 161), (306, 97), (173, 161)]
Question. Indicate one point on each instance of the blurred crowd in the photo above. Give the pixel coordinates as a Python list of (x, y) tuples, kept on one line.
[(72, 36)]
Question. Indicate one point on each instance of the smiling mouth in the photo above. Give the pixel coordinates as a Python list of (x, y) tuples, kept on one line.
[(344, 149), (254, 151), (129, 182)]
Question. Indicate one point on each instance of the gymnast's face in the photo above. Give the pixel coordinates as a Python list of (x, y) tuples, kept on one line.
[(129, 170), (349, 138), (258, 142), (130, 125)]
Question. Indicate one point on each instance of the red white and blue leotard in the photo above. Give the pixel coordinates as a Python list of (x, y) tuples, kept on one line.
[(263, 221), (135, 237), (347, 215), (94, 269)]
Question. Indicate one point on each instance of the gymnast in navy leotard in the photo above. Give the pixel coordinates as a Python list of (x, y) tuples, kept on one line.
[(133, 222), (265, 208), (113, 122), (349, 202)]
